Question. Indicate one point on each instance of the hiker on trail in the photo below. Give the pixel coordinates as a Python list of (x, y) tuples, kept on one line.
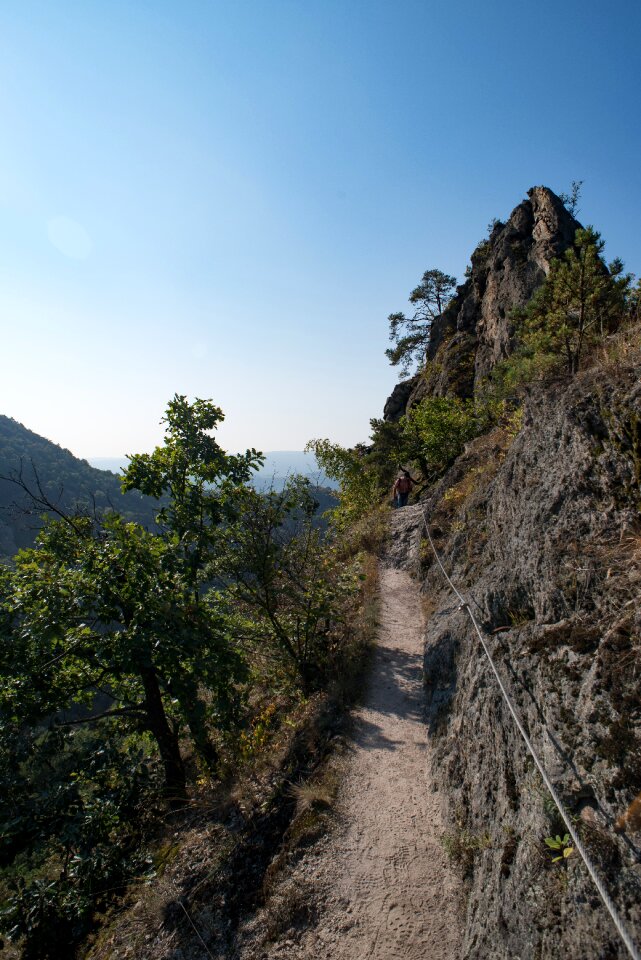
[(402, 487)]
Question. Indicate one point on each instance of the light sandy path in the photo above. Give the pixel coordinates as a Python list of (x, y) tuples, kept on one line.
[(389, 892)]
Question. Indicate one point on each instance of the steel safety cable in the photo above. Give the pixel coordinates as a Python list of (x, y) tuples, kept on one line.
[(567, 819)]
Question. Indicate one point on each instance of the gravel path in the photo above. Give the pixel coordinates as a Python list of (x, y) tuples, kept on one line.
[(388, 890)]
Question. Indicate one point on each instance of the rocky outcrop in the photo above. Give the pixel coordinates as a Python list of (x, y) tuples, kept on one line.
[(476, 330), (541, 531), (396, 403)]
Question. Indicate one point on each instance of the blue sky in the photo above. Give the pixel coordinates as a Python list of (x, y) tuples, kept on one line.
[(227, 199)]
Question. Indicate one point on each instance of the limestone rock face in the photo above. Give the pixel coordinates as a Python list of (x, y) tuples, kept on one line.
[(540, 531), (475, 331)]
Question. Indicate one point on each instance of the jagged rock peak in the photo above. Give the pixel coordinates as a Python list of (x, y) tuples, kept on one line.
[(475, 331), (553, 226)]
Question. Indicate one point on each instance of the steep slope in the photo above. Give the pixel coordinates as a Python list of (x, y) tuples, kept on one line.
[(68, 482), (542, 532)]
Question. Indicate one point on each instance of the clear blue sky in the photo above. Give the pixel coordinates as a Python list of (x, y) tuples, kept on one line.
[(227, 199)]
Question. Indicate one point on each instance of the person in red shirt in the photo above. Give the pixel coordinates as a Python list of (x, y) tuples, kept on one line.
[(402, 488)]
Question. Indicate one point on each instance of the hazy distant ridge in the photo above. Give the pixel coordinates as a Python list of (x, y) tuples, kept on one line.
[(279, 464)]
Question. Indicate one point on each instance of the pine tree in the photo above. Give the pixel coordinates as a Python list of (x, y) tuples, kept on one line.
[(581, 301), (411, 334)]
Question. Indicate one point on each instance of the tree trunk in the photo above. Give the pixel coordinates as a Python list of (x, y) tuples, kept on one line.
[(195, 713), (175, 785)]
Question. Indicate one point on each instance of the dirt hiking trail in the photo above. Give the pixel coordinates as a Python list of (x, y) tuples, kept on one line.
[(387, 891)]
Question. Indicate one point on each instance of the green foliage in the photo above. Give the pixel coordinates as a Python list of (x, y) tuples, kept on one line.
[(71, 813), (285, 580), (513, 420), (410, 335), (634, 303), (560, 844), (391, 447), (360, 486), (431, 435), (119, 644), (111, 608), (462, 846), (578, 305), (437, 429), (196, 474)]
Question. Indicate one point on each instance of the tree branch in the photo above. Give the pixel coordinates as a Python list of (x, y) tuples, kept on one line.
[(123, 712), (39, 499)]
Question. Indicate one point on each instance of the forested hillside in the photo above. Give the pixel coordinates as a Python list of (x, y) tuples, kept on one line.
[(67, 482)]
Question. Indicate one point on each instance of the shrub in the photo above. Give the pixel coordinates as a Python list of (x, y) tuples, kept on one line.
[(439, 427), (361, 484)]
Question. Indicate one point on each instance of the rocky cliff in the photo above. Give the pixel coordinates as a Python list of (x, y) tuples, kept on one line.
[(542, 532), (476, 329), (539, 523)]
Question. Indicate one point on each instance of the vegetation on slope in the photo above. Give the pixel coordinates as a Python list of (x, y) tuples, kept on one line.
[(580, 305), (138, 664)]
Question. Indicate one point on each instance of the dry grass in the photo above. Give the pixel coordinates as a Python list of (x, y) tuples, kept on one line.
[(287, 905), (367, 535), (291, 907), (622, 349), (461, 846), (620, 568), (316, 794), (457, 494), (429, 602)]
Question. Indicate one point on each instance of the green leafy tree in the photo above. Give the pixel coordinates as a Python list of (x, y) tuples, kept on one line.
[(283, 577), (118, 644), (391, 448), (580, 302), (410, 335), (73, 805), (107, 612), (197, 476), (438, 428), (108, 607), (428, 437), (360, 487)]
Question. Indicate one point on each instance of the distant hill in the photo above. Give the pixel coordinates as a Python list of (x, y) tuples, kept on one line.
[(278, 466), (73, 484), (281, 464), (68, 482)]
